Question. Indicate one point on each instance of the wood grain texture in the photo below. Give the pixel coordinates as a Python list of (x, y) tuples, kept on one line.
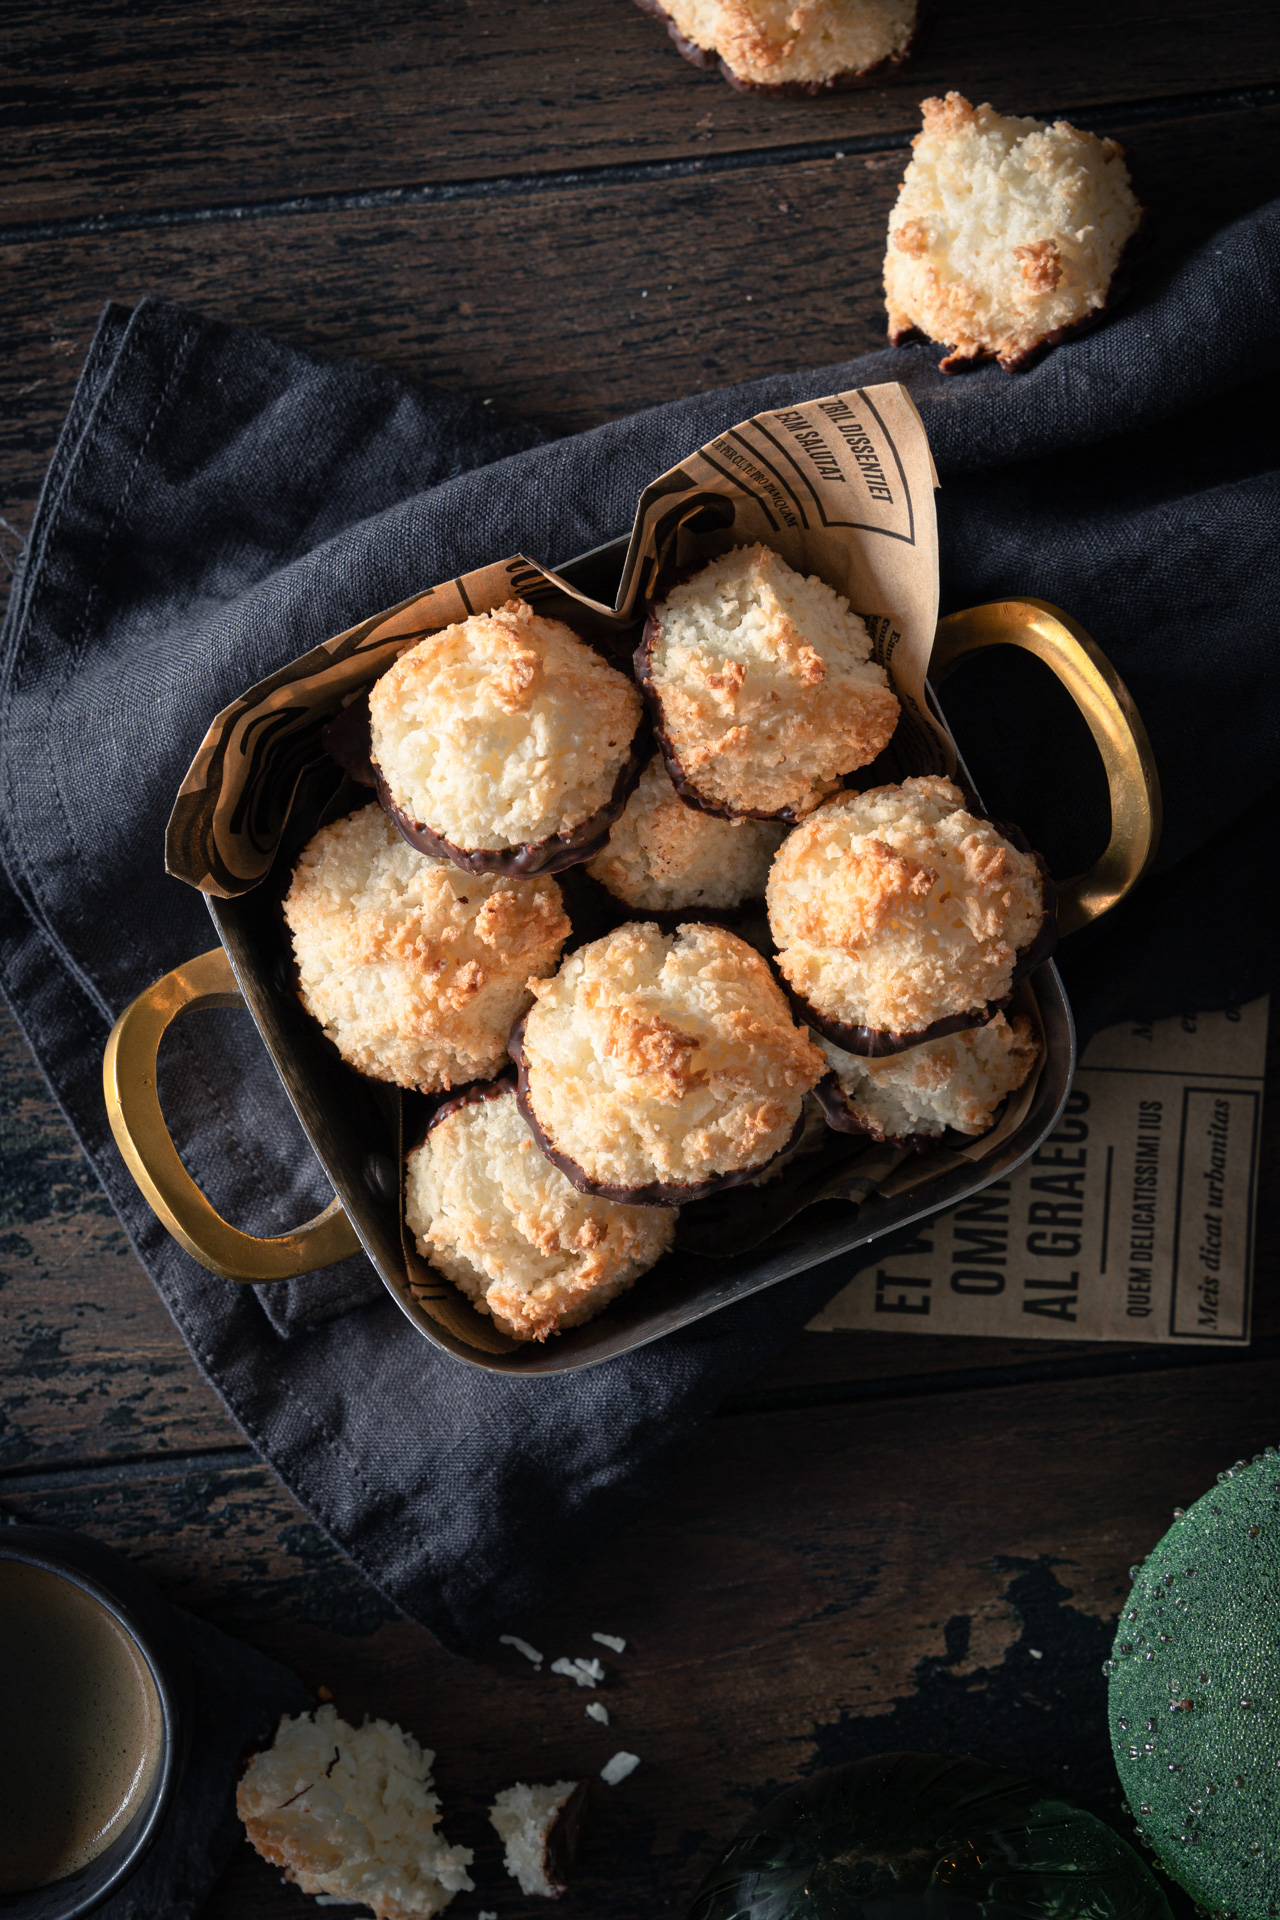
[(538, 303), (796, 1600), (886, 1544), (91, 1366), (117, 106)]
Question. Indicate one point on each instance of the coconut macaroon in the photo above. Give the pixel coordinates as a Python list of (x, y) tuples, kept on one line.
[(505, 743), (490, 1212), (957, 1081), (415, 970), (349, 1812), (790, 46), (656, 1067), (540, 1828), (896, 911), (1006, 232), (762, 686), (665, 857)]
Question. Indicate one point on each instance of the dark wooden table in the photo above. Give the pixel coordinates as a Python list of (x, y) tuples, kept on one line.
[(886, 1541)]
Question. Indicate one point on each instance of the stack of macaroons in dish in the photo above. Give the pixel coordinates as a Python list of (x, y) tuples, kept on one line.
[(666, 1059)]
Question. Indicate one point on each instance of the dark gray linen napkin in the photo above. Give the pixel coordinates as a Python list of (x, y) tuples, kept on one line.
[(218, 502)]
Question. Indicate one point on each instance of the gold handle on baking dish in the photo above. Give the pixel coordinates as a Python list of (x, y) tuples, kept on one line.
[(133, 1107), (1113, 720)]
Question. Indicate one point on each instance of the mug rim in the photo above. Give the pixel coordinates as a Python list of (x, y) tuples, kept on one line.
[(100, 1573)]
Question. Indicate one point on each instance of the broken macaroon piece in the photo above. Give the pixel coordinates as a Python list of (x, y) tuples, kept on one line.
[(665, 857), (349, 1813), (900, 916), (1006, 234), (790, 46), (957, 1081), (762, 687), (540, 1829), (489, 1211), (414, 969), (657, 1067), (505, 743)]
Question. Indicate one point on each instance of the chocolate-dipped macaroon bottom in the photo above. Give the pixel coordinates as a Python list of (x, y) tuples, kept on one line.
[(873, 1043), (841, 1118), (1123, 278), (707, 59), (348, 740), (564, 1837), (658, 1193), (471, 1095)]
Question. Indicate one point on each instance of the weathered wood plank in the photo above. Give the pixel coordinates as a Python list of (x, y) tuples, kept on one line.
[(119, 105), (536, 302), (938, 1573), (91, 1365)]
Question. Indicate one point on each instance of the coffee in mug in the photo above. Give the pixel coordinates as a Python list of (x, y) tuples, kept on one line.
[(84, 1730)]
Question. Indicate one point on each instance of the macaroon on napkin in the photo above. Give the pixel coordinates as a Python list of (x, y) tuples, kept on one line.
[(218, 502)]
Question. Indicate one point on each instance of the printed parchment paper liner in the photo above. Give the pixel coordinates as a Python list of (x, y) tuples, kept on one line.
[(841, 487)]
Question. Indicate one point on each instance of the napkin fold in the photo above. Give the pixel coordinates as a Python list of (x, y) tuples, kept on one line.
[(218, 501)]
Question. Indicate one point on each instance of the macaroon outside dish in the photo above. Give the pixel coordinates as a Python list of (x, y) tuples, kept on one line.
[(791, 46), (1006, 235)]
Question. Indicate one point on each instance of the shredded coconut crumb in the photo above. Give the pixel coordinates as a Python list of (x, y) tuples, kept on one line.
[(614, 1641), (586, 1673), (521, 1646), (350, 1812), (524, 1818), (596, 1710), (619, 1767)]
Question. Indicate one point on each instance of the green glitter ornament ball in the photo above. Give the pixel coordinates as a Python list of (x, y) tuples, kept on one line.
[(1194, 1696)]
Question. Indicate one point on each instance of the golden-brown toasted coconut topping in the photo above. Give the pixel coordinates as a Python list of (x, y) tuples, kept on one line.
[(666, 1058), (503, 730), (895, 908), (663, 856), (494, 1216), (767, 689), (415, 970), (955, 1082), (770, 43), (1006, 231)]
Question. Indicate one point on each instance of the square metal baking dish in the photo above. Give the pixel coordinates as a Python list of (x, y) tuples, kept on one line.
[(357, 1127)]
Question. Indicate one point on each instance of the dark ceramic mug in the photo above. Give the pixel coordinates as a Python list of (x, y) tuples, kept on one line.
[(117, 1603)]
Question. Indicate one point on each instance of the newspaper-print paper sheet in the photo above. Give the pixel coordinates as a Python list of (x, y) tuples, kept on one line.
[(1133, 1221)]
